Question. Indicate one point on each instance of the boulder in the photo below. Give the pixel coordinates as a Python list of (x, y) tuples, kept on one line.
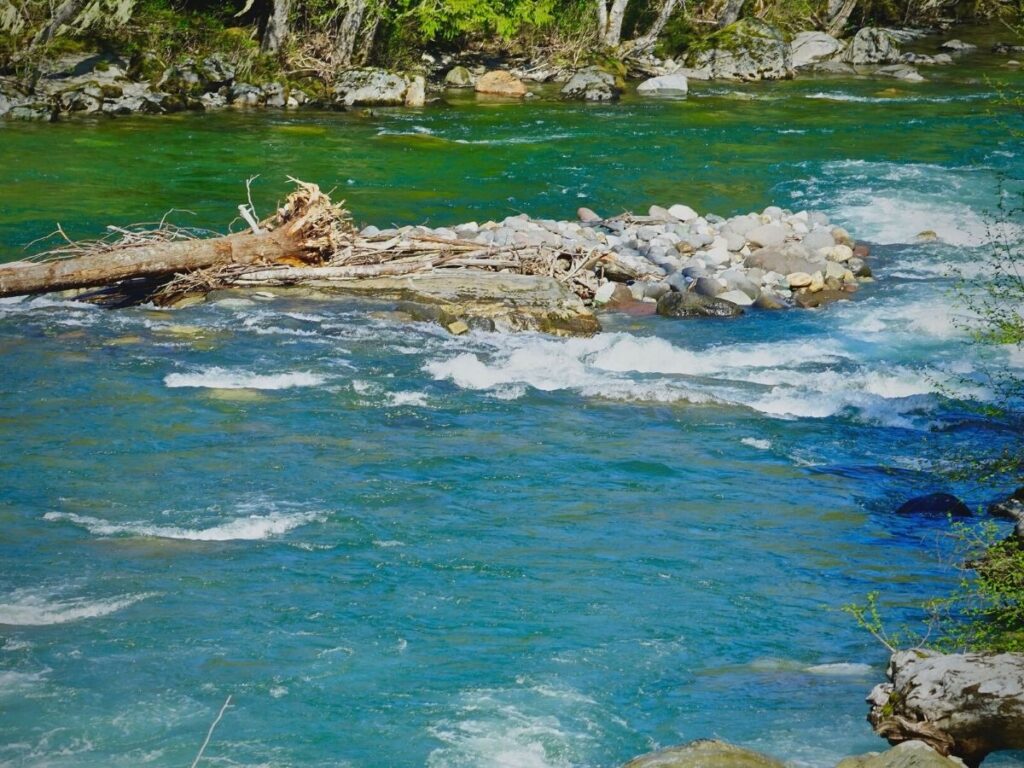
[(785, 261), (706, 753), (591, 84), (903, 72), (686, 304), (872, 45), (958, 46), (811, 47), (369, 87), (683, 212), (909, 754), (459, 77), (500, 83), (665, 85), (275, 95), (750, 49), (708, 286), (737, 297), (963, 704), (416, 95), (1010, 508), (935, 504), (807, 299), (244, 95), (767, 236), (216, 71)]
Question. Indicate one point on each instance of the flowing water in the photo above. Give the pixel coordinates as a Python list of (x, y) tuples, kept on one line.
[(393, 547)]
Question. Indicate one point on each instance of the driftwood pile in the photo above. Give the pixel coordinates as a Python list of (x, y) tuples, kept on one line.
[(309, 238)]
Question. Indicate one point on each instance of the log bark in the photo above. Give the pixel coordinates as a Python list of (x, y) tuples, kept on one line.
[(609, 19), (158, 259), (837, 20), (650, 38), (730, 13), (966, 705)]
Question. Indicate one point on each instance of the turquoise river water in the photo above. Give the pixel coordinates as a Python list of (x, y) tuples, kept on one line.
[(394, 547)]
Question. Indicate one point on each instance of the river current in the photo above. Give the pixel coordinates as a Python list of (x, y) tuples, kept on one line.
[(395, 547)]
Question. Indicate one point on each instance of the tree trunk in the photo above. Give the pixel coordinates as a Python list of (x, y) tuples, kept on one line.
[(157, 259), (730, 13), (366, 47), (837, 20), (348, 32), (966, 705), (610, 21), (668, 7), (65, 14), (276, 33)]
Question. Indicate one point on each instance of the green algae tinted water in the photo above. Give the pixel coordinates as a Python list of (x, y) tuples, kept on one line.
[(393, 547)]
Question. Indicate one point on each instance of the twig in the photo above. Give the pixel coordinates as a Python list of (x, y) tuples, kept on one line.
[(209, 734)]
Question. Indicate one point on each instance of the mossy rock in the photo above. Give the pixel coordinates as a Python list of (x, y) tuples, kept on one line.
[(706, 753)]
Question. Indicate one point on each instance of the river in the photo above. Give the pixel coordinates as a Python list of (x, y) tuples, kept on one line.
[(395, 547)]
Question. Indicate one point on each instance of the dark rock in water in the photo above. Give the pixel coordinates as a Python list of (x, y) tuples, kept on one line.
[(677, 304), (935, 504), (1010, 508), (768, 301), (808, 300), (706, 753)]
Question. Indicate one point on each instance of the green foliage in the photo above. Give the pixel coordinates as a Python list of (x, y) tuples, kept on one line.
[(869, 618)]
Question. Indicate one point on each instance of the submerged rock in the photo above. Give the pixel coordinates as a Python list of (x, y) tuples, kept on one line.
[(940, 504), (901, 72), (706, 753)]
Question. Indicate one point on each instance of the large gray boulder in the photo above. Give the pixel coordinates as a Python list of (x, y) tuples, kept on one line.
[(872, 45), (686, 304), (591, 84), (664, 85), (459, 77), (909, 754), (811, 47), (966, 705), (750, 49), (706, 753), (369, 87)]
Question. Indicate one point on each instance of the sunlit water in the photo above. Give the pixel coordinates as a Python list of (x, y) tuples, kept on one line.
[(393, 547)]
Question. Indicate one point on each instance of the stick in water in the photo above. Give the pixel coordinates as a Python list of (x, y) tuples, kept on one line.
[(209, 733)]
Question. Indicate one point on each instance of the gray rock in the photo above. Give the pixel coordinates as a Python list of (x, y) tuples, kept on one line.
[(900, 72), (756, 51), (30, 112), (274, 95), (591, 84), (784, 261), (686, 304), (942, 58), (459, 77), (416, 94), (833, 68), (664, 85), (818, 238), (769, 300), (733, 240), (811, 47), (909, 754), (739, 298), (244, 95), (767, 236), (872, 45), (736, 280), (369, 87), (216, 71), (708, 286), (704, 754), (967, 705), (743, 224), (958, 46)]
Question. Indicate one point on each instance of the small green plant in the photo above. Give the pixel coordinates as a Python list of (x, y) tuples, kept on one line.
[(869, 618)]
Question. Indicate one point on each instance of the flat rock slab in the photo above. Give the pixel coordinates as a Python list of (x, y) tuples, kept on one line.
[(487, 300), (704, 754)]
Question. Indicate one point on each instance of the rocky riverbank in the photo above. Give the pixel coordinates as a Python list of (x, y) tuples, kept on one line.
[(108, 84)]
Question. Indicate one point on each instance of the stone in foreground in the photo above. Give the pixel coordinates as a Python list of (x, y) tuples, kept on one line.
[(501, 83), (909, 754), (706, 753), (678, 304), (962, 704)]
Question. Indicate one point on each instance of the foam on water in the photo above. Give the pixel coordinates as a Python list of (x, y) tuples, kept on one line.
[(842, 669), (35, 607), (12, 682), (783, 380), (538, 727), (225, 378), (246, 528)]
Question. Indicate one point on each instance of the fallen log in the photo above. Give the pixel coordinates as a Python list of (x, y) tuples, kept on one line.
[(966, 705), (306, 230)]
